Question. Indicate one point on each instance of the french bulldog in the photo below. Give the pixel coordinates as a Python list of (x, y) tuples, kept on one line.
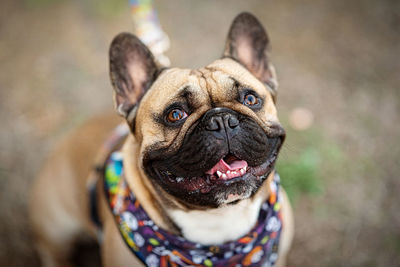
[(199, 158)]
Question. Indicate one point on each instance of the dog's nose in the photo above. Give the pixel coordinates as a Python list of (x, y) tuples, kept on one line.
[(221, 120)]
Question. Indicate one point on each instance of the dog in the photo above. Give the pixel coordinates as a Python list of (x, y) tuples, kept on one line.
[(198, 154)]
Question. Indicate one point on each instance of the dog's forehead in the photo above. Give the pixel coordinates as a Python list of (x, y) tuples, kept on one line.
[(173, 85), (239, 73), (211, 84)]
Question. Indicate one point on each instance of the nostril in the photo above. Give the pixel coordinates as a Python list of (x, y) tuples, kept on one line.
[(233, 122), (214, 124)]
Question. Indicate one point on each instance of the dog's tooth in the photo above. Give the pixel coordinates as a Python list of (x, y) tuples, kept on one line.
[(245, 168), (219, 173), (224, 176), (242, 171), (228, 172)]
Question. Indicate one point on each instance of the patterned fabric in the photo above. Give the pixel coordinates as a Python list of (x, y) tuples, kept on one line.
[(144, 17), (148, 29), (158, 247)]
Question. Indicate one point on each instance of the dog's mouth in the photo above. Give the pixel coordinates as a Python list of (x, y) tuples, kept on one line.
[(209, 170), (228, 168), (228, 171)]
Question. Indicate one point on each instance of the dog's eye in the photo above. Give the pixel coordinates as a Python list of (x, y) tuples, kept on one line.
[(250, 100), (176, 115)]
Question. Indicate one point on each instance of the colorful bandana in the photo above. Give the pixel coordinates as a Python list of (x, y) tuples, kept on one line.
[(157, 247)]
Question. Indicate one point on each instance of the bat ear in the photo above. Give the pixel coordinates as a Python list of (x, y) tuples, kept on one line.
[(248, 43), (132, 71)]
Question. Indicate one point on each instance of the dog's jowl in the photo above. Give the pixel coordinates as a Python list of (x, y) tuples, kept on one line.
[(188, 178)]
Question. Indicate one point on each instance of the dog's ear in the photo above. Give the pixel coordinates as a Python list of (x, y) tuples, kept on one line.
[(132, 71), (248, 43)]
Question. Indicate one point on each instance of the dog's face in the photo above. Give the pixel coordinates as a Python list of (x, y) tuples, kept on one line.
[(207, 137)]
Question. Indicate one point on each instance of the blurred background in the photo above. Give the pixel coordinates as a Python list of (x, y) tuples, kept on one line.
[(338, 64)]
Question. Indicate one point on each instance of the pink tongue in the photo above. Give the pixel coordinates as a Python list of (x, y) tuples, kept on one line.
[(222, 166)]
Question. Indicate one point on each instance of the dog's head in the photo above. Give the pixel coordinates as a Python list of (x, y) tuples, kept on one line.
[(207, 137)]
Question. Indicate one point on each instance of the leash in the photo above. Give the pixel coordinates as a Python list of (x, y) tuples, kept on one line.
[(148, 29)]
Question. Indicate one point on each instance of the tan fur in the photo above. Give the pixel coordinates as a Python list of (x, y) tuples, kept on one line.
[(144, 192), (213, 80), (59, 205)]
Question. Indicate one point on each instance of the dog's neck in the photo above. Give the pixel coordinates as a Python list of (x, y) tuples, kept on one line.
[(216, 226), (211, 226), (144, 192)]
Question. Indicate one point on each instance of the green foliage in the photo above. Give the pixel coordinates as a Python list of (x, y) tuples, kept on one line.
[(40, 3), (103, 8), (306, 160), (109, 8), (299, 173)]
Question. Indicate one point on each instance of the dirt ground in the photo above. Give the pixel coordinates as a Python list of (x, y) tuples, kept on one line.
[(339, 59)]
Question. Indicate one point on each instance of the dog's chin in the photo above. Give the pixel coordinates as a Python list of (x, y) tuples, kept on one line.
[(228, 182)]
